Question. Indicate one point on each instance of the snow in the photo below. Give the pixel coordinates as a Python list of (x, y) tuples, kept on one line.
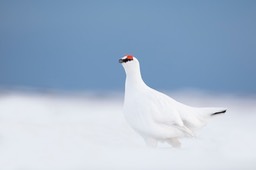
[(55, 131)]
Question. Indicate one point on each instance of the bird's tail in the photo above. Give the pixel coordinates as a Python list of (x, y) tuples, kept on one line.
[(209, 112), (200, 117), (219, 112)]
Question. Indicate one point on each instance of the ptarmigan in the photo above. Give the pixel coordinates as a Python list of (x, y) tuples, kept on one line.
[(156, 116)]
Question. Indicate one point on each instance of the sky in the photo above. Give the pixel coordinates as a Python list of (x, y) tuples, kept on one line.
[(75, 45)]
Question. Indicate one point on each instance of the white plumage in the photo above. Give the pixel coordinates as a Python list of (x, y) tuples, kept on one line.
[(156, 116)]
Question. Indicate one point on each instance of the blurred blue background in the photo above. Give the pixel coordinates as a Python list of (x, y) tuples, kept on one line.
[(75, 45)]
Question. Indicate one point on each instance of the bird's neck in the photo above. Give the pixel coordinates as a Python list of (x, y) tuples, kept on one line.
[(134, 79)]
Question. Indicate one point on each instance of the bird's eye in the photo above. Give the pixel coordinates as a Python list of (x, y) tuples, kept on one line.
[(128, 58)]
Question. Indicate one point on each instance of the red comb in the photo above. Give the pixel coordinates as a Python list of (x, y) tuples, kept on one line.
[(130, 57)]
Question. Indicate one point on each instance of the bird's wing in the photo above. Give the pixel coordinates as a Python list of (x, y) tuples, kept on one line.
[(163, 110), (166, 112), (153, 107)]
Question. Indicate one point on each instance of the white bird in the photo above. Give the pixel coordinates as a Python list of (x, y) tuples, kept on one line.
[(156, 116)]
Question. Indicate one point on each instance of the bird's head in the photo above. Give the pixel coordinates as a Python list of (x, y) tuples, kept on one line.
[(126, 59), (130, 64)]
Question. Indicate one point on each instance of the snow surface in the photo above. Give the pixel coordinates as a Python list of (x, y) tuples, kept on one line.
[(53, 131)]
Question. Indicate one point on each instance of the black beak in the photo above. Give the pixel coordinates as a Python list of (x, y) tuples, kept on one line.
[(121, 60)]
